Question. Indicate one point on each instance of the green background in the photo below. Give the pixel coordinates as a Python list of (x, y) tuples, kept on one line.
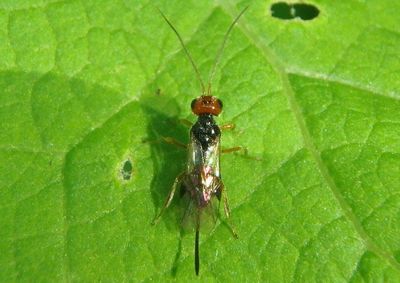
[(316, 103)]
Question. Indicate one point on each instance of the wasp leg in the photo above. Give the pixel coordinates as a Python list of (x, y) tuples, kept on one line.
[(168, 140), (233, 149), (228, 213), (186, 122), (227, 127), (222, 193), (169, 198), (245, 152), (174, 142)]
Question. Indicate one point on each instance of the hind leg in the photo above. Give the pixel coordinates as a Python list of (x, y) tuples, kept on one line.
[(178, 181), (221, 193)]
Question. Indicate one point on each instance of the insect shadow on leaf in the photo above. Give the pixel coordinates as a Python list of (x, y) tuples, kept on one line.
[(167, 160)]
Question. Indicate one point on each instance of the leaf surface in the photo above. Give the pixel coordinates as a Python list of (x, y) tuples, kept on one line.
[(316, 104)]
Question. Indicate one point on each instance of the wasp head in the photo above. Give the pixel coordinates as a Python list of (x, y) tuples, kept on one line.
[(206, 104)]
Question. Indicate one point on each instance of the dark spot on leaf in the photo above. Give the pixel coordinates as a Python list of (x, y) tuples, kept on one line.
[(126, 170), (285, 11), (281, 10)]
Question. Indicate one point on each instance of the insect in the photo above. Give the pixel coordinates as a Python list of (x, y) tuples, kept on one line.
[(201, 182)]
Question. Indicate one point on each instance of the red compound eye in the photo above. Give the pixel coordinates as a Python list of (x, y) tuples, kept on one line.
[(206, 104)]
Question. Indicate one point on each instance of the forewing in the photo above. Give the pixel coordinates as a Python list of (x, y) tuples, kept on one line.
[(211, 157), (199, 157), (195, 154)]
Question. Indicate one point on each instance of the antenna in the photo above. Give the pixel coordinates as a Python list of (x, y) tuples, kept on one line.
[(221, 48), (203, 88)]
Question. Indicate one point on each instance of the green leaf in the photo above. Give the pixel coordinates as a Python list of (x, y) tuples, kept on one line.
[(316, 103)]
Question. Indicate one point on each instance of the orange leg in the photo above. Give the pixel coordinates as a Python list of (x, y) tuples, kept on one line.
[(227, 127), (174, 142), (186, 122), (234, 149), (178, 180), (228, 214)]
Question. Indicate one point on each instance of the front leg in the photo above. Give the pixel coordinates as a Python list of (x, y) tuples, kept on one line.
[(227, 127)]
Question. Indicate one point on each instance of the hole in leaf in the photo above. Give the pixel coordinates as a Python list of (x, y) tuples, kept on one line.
[(285, 11), (126, 170), (281, 10), (306, 12)]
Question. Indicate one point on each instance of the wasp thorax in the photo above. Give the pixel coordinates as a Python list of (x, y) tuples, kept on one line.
[(206, 104)]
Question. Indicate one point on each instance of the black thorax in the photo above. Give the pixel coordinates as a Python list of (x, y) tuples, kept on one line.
[(205, 130)]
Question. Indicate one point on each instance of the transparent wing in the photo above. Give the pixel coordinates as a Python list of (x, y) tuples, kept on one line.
[(198, 158), (208, 216)]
